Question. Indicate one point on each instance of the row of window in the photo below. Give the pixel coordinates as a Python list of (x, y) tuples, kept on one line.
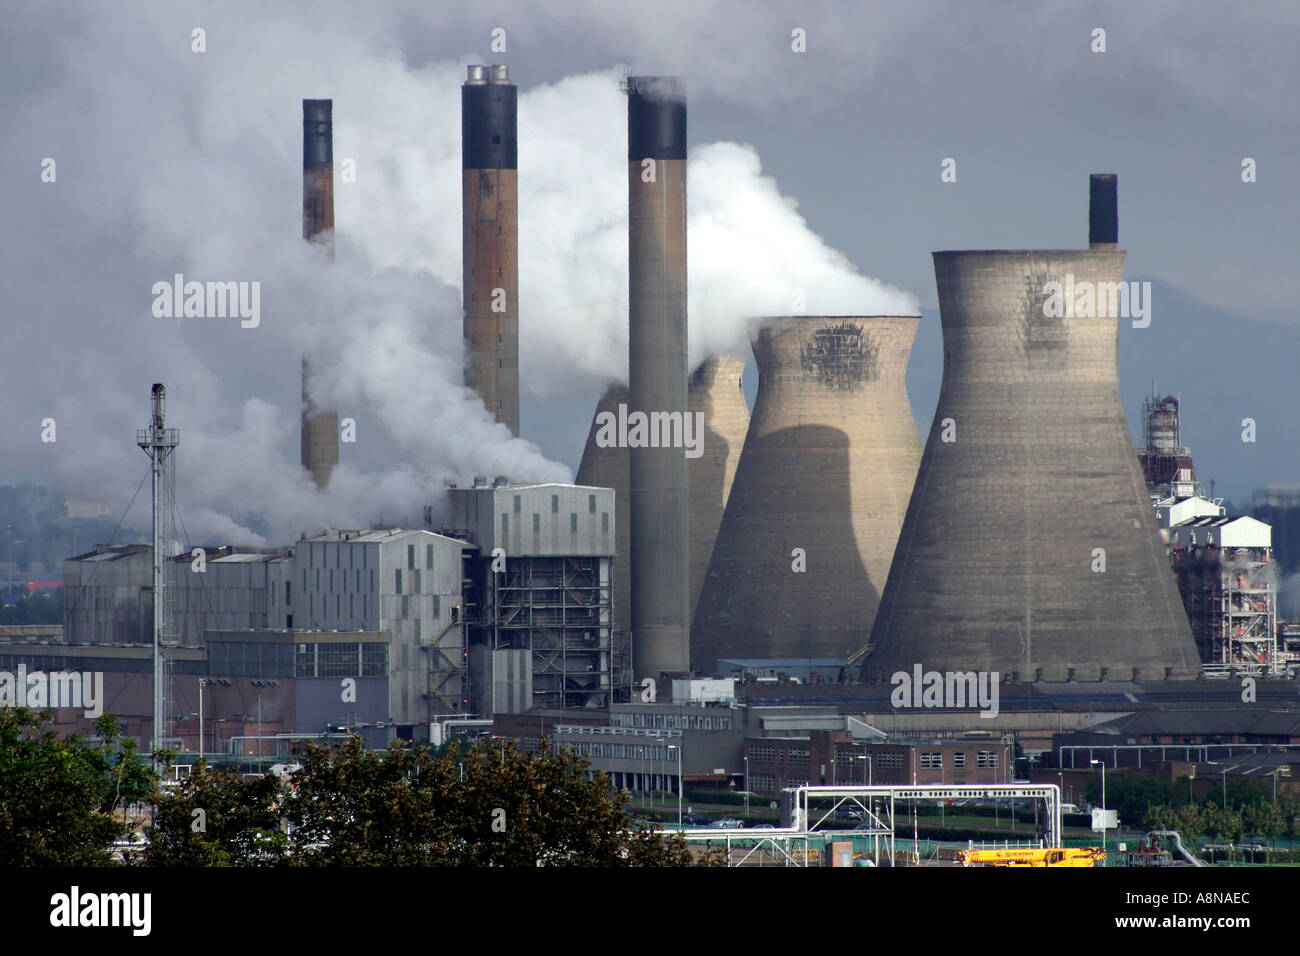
[(342, 660), (356, 579), (537, 524), (673, 721), (428, 557), (555, 505)]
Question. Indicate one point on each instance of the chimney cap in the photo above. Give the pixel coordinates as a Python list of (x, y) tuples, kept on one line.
[(476, 74), (499, 73)]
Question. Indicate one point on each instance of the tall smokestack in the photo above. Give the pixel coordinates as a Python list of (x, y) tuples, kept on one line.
[(827, 468), (489, 212), (1103, 211), (659, 509), (320, 429)]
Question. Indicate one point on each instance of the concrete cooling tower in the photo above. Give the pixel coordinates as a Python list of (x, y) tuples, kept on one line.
[(608, 468), (1029, 546), (827, 468), (715, 391)]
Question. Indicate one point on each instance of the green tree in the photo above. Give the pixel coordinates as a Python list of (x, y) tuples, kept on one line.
[(64, 801), (485, 805), (216, 818)]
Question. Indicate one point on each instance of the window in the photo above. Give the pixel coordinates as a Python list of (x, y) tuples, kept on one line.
[(428, 557), (374, 660), (573, 522), (516, 504), (763, 753), (555, 504), (331, 579), (800, 754), (338, 660), (406, 607), (358, 579), (286, 591), (892, 760), (304, 579), (318, 579), (959, 759), (762, 783), (591, 504), (336, 604), (410, 556), (505, 525), (932, 760), (415, 581), (537, 523), (398, 576), (437, 606), (986, 758), (604, 522)]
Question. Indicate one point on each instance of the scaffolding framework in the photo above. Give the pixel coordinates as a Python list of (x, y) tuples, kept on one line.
[(1231, 601), (560, 610)]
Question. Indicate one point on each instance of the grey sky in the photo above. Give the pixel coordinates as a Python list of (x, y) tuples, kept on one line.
[(172, 161)]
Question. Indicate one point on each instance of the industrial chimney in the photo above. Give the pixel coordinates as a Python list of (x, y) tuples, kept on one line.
[(1030, 547), (489, 214), (320, 429), (819, 495), (656, 152), (714, 391)]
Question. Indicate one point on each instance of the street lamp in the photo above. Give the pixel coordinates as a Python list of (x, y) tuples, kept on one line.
[(679, 781), (746, 759), (1103, 802)]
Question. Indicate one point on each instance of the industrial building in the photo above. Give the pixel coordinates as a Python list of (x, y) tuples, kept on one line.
[(1029, 546), (607, 467), (835, 758), (537, 605), (1228, 581), (819, 495), (404, 583), (108, 596), (229, 588)]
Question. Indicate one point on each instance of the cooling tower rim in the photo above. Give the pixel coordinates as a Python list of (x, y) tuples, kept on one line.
[(1027, 252)]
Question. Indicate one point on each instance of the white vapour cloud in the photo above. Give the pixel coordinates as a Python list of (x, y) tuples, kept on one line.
[(172, 162)]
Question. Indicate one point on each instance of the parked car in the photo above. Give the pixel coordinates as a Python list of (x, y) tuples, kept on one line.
[(727, 823)]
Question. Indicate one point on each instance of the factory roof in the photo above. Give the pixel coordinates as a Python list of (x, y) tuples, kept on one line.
[(111, 552), (371, 535)]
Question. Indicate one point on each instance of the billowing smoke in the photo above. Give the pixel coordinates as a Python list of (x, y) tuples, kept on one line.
[(1288, 597), (174, 161)]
